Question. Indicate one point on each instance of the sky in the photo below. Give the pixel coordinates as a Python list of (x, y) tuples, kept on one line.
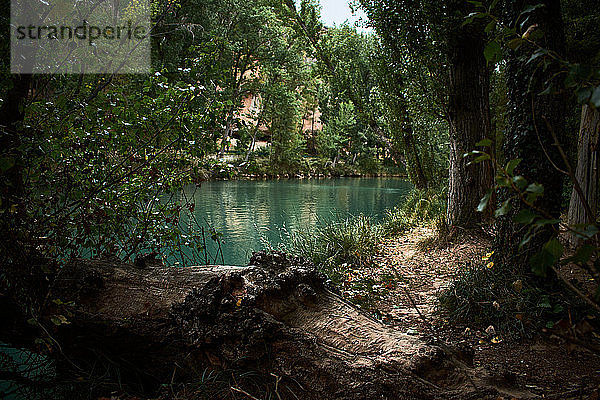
[(335, 12)]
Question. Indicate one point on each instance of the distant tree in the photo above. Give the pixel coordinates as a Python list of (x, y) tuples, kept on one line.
[(432, 37), (396, 113)]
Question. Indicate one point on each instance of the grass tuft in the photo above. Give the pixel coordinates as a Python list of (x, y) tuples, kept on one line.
[(351, 242)]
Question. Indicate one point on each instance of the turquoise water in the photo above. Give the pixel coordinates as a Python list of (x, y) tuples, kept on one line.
[(253, 215)]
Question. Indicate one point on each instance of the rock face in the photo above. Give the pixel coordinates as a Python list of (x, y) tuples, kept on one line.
[(276, 317)]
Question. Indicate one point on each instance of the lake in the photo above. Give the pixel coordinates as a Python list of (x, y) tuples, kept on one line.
[(253, 215)]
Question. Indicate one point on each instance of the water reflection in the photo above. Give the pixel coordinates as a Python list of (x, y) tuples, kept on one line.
[(249, 212)]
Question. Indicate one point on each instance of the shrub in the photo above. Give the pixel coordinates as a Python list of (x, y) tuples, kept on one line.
[(491, 294), (347, 243)]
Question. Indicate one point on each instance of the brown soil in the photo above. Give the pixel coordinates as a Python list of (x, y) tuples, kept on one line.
[(546, 367)]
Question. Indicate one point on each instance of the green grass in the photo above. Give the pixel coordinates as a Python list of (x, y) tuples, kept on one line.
[(492, 294), (345, 247), (421, 207), (354, 240), (349, 242)]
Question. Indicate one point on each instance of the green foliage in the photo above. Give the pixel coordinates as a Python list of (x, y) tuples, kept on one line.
[(345, 98), (349, 242), (579, 73), (337, 133), (342, 249), (536, 221), (421, 207)]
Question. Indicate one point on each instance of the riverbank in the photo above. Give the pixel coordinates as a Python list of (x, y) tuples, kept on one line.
[(547, 366), (236, 167)]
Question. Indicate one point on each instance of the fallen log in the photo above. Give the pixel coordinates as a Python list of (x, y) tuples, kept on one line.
[(277, 317)]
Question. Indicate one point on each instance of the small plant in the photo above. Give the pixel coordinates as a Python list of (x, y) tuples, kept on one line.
[(421, 207), (351, 241)]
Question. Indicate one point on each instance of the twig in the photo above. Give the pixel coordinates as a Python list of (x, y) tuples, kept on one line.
[(577, 291), (243, 392)]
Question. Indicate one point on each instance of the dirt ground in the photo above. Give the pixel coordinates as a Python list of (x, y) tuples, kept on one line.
[(547, 367)]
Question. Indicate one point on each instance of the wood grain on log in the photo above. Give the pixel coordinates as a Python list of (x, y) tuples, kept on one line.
[(277, 316)]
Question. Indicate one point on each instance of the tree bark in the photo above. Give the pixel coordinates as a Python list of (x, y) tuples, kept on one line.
[(226, 134), (400, 122), (533, 121), (469, 114), (277, 317), (586, 173), (416, 173)]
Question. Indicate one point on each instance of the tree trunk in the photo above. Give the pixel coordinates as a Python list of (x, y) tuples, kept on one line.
[(533, 120), (469, 115), (401, 123), (19, 273), (277, 318), (226, 134), (587, 171), (416, 173)]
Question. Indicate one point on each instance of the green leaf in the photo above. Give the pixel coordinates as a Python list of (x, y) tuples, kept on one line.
[(578, 74), (520, 182), (527, 237), (540, 223), (502, 181), (554, 247), (582, 255), (539, 53), (492, 51), (490, 27), (59, 320), (584, 95), (534, 191), (532, 8), (484, 143), (586, 231), (514, 44), (481, 158), (484, 201), (548, 257), (525, 216), (512, 164), (504, 209), (473, 153), (547, 91)]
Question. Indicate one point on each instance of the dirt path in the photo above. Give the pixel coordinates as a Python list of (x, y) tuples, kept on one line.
[(424, 270), (546, 367)]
